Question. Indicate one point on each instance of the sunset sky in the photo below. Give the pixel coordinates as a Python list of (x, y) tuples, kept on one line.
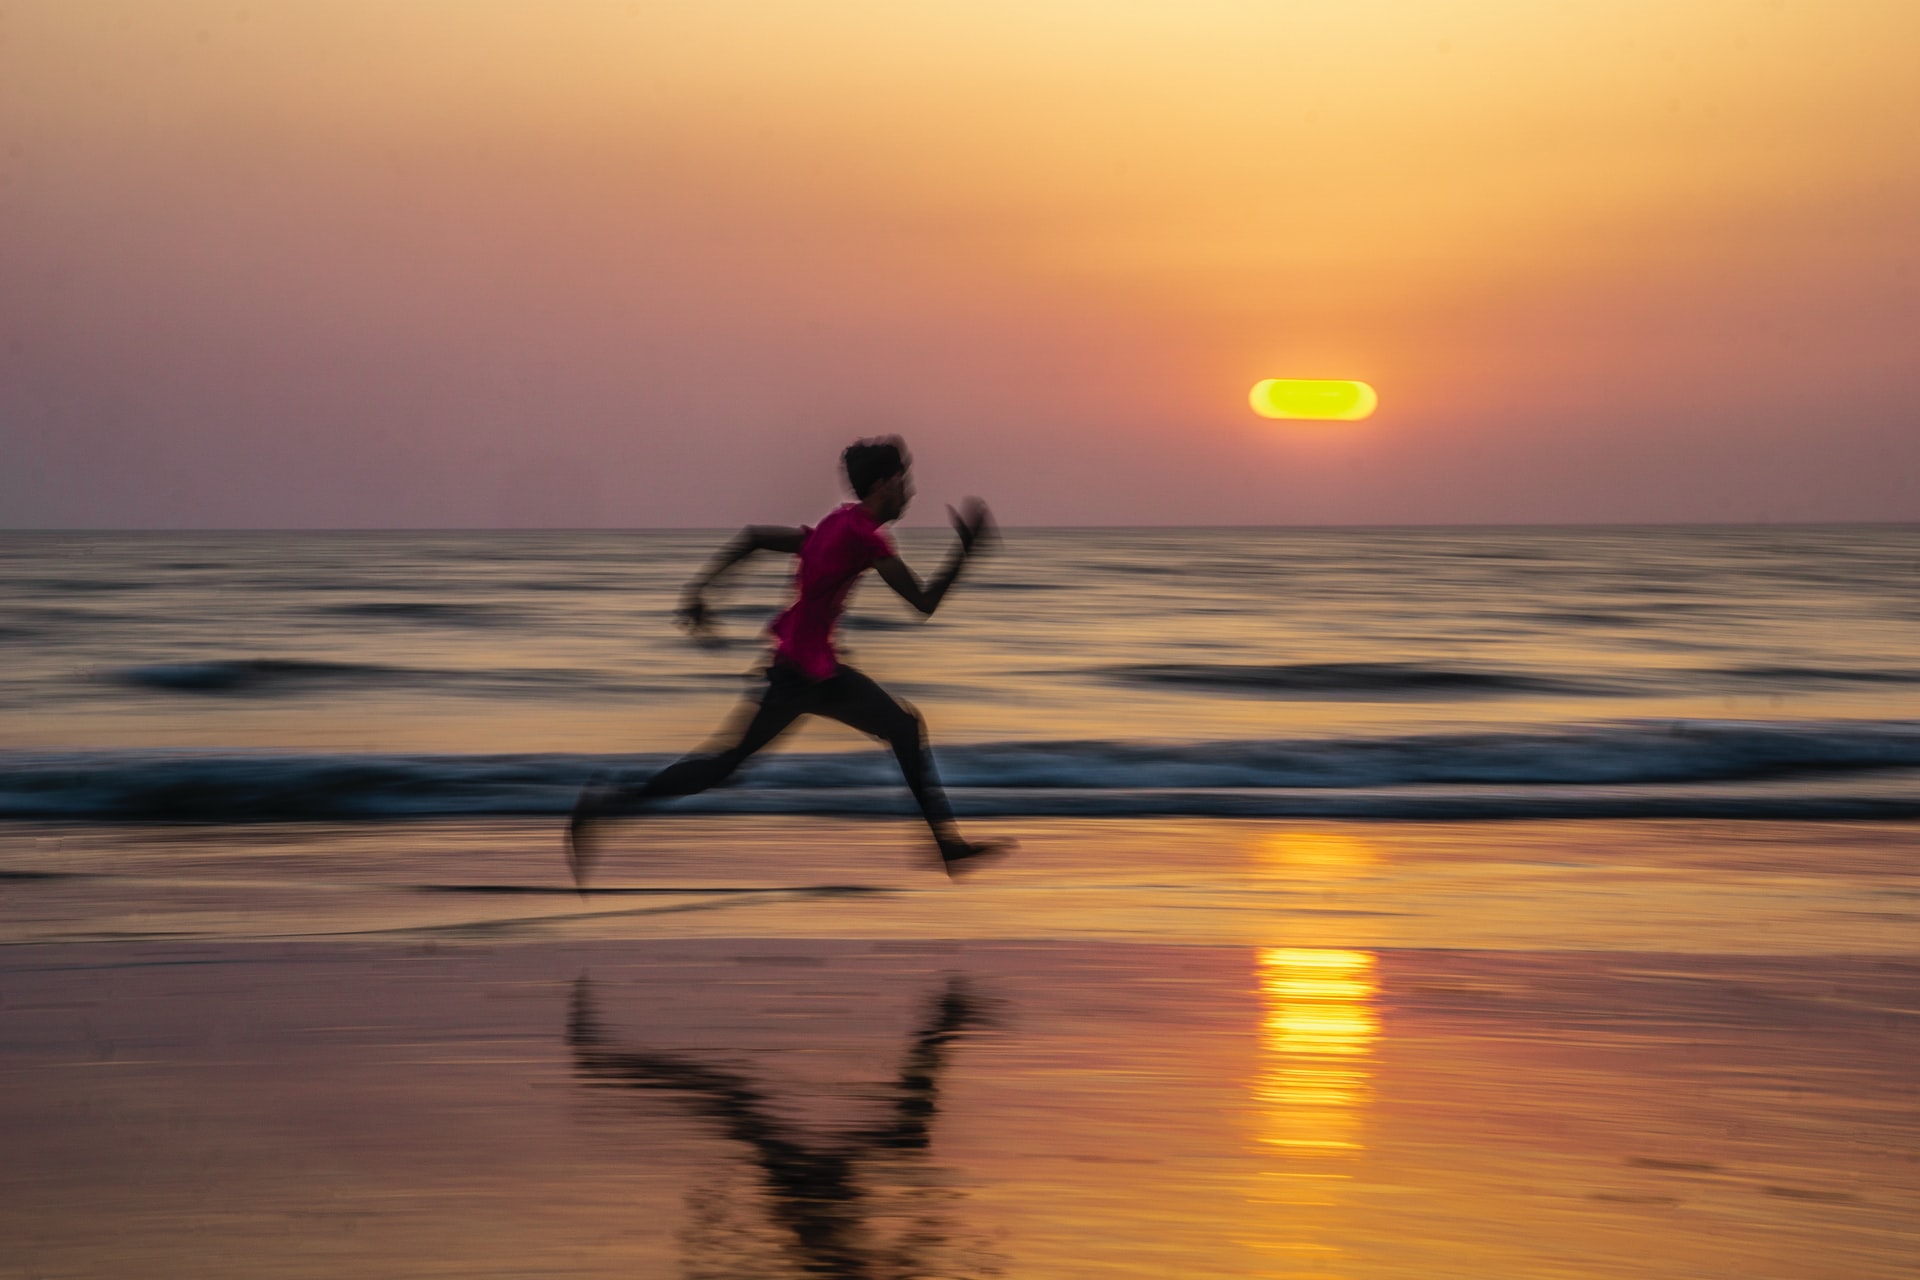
[(471, 263)]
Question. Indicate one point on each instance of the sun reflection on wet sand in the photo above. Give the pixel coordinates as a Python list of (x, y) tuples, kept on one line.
[(1323, 854), (1317, 1033), (1318, 1027)]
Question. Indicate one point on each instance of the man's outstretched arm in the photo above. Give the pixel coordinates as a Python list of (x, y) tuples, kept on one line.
[(972, 527), (693, 612)]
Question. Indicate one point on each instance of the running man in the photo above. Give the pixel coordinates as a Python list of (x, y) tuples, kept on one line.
[(805, 676)]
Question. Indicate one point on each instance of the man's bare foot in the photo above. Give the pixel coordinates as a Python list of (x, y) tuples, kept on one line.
[(959, 856), (583, 831)]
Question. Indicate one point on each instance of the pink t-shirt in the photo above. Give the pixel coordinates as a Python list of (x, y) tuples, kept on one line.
[(833, 555)]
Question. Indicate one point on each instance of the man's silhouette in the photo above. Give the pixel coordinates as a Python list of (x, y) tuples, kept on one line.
[(805, 675)]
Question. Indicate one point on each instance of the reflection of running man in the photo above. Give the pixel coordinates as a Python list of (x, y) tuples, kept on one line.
[(805, 676), (818, 1188)]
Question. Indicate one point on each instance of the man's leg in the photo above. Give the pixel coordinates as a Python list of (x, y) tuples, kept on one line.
[(855, 700), (783, 701), (778, 708)]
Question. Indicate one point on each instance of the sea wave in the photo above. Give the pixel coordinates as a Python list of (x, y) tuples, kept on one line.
[(420, 611), (83, 586), (248, 675), (262, 677), (1356, 680), (1390, 681), (1799, 677), (1668, 769)]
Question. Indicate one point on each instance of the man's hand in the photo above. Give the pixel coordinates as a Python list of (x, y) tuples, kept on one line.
[(697, 619), (973, 523), (693, 613)]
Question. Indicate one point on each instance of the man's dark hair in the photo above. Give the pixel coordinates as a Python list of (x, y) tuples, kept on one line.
[(868, 462)]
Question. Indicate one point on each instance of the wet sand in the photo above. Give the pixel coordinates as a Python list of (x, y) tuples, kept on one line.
[(1734, 888), (1657, 1050)]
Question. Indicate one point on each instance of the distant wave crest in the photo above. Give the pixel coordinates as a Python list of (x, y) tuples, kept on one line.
[(1800, 677), (1359, 680), (1687, 768), (247, 675), (1389, 681), (419, 611), (263, 677)]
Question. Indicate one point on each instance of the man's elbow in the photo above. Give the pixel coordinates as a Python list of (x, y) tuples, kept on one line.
[(919, 600), (762, 537)]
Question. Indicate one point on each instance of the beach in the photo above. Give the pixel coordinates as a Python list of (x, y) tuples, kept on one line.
[(1392, 903), (1135, 1048)]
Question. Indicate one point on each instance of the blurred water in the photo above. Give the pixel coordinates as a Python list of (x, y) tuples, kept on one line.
[(468, 672)]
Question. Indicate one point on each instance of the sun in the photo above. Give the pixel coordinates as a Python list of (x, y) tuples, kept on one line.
[(1313, 399)]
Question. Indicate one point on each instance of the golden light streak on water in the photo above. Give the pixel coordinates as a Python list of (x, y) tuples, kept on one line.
[(1317, 1032), (1318, 1027), (1325, 854)]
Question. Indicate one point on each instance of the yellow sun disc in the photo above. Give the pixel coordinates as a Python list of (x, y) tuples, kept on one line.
[(1313, 399)]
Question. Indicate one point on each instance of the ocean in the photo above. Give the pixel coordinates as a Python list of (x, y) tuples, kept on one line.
[(1421, 673)]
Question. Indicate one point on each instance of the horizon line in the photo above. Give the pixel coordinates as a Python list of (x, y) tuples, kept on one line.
[(1033, 528)]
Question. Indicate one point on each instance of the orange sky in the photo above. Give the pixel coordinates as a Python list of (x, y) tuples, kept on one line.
[(325, 262)]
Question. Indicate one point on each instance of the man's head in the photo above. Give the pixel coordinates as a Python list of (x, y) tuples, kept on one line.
[(877, 470)]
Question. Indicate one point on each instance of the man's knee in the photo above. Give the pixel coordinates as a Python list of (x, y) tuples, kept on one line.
[(722, 765), (906, 726), (692, 774)]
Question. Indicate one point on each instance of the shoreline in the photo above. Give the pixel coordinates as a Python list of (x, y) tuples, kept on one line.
[(1682, 886)]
